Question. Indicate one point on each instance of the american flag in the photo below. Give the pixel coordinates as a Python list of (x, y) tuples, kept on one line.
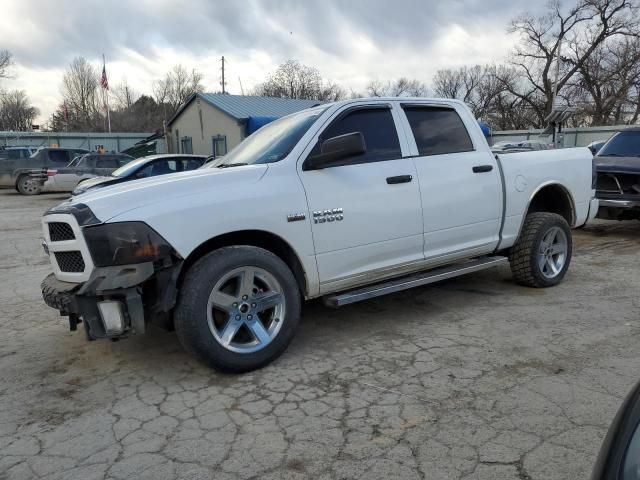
[(103, 80)]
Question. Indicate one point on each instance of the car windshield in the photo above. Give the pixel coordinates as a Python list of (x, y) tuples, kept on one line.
[(622, 144), (128, 168), (272, 142)]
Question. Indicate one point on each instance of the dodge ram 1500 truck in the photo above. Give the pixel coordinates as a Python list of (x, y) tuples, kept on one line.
[(345, 201)]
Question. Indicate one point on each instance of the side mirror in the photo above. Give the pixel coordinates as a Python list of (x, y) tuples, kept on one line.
[(335, 149), (619, 457)]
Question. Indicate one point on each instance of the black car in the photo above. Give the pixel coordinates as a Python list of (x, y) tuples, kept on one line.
[(144, 167), (617, 166)]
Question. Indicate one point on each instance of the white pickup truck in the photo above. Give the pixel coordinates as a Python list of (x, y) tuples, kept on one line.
[(345, 201)]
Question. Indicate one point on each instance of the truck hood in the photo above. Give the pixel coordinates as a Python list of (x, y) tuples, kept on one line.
[(111, 201), (617, 164)]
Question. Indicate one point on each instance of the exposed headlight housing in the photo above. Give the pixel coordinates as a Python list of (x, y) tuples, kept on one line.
[(124, 243)]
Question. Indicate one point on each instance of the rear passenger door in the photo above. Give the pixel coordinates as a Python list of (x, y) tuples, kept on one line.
[(459, 181), (365, 211)]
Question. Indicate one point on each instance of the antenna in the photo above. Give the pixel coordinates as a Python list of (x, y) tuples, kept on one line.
[(240, 81), (223, 83)]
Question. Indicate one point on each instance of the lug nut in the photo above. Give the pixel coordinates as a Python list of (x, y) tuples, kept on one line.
[(244, 297), (253, 305), (235, 304), (249, 317), (238, 317)]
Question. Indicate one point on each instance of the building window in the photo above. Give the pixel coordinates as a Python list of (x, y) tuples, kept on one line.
[(219, 145), (186, 145)]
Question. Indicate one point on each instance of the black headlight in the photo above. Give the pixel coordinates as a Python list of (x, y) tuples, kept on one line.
[(123, 243)]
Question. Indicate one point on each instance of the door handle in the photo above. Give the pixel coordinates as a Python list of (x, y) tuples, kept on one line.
[(482, 168), (399, 179)]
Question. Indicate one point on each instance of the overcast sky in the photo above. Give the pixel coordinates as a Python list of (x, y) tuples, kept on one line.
[(350, 42)]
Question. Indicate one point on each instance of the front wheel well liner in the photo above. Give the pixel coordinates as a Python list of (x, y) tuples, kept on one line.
[(254, 238)]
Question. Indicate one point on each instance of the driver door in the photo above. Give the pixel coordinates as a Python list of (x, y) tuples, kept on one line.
[(366, 213)]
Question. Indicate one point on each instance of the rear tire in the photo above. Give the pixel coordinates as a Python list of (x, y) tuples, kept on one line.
[(238, 308), (27, 186), (542, 254)]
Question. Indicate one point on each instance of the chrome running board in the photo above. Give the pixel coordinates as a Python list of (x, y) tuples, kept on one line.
[(416, 280)]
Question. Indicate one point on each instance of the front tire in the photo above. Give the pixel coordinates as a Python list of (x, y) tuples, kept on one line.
[(541, 256), (238, 308), (27, 186)]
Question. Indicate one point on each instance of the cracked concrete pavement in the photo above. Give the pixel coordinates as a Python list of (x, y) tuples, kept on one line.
[(474, 378)]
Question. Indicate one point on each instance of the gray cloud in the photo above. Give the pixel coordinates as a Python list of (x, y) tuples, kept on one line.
[(66, 28), (349, 41)]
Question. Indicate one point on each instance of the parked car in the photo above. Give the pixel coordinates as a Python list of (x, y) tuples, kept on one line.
[(144, 167), (596, 145), (346, 201), (619, 457), (519, 146), (17, 153), (618, 176), (24, 174), (81, 168)]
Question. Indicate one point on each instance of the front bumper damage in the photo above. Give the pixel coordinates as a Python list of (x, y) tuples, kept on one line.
[(115, 301)]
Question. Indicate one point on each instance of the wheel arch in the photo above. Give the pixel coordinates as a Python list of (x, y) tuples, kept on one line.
[(255, 238), (553, 197)]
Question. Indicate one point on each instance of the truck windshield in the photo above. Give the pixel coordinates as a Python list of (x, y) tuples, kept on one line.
[(622, 144), (272, 142)]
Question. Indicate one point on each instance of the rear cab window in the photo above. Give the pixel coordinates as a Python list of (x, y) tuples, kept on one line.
[(437, 130)]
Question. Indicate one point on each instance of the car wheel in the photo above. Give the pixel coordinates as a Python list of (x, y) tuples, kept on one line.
[(28, 186), (541, 255), (238, 308)]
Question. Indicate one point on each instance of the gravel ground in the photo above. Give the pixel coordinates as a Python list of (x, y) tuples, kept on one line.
[(472, 378)]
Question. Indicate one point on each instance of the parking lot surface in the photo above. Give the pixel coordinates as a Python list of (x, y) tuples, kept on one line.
[(474, 378)]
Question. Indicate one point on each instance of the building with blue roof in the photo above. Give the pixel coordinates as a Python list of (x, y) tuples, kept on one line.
[(213, 123)]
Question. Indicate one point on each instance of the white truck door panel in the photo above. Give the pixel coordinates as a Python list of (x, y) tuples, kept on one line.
[(361, 223), (380, 224), (460, 185)]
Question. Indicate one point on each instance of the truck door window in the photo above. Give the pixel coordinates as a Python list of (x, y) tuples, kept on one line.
[(438, 130), (378, 128)]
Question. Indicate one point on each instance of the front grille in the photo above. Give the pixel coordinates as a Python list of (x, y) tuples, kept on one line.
[(70, 261), (59, 232)]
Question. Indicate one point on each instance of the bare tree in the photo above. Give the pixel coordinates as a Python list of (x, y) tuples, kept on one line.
[(81, 99), (605, 87), (16, 112), (582, 29), (294, 80), (124, 96), (402, 87), (176, 87), (6, 60)]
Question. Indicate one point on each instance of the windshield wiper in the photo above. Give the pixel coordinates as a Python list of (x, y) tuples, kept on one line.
[(229, 165)]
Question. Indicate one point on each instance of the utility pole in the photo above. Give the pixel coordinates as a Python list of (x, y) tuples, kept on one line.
[(223, 83), (240, 81)]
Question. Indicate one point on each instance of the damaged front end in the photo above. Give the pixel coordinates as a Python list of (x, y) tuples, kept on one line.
[(618, 192), (114, 277)]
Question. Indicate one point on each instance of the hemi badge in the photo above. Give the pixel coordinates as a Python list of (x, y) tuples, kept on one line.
[(296, 217)]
